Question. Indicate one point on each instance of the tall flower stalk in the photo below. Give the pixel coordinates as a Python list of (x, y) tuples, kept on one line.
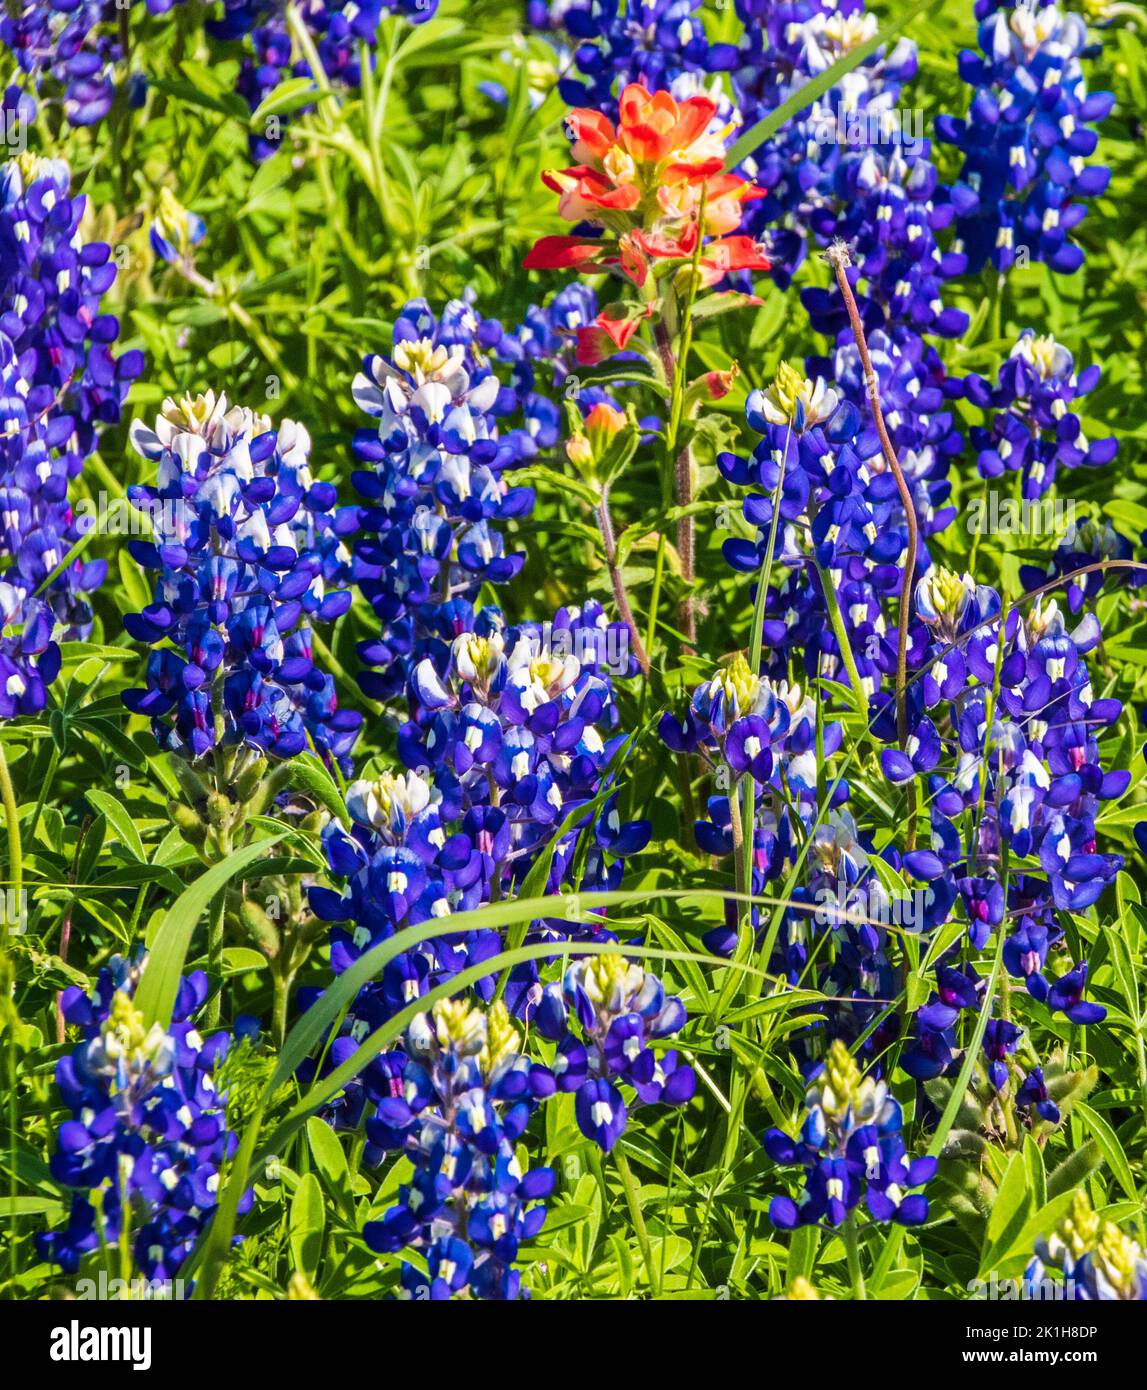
[(249, 551), (655, 191)]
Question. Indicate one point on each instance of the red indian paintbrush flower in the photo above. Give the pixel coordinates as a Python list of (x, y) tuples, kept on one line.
[(653, 184)]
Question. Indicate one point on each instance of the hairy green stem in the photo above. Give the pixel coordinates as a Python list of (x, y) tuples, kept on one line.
[(215, 958), (12, 827), (852, 1252), (633, 1201), (675, 365)]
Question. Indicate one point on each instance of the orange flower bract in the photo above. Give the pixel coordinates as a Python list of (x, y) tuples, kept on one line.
[(653, 183)]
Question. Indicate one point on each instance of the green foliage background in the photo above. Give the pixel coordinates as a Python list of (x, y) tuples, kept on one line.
[(421, 185)]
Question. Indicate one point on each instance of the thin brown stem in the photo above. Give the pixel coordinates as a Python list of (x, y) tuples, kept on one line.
[(838, 257)]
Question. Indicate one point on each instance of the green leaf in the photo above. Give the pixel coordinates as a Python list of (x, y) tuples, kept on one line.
[(15, 1207), (307, 774), (1111, 1148), (1037, 1174), (137, 592), (308, 1218), (725, 302), (119, 818), (100, 651), (330, 1160), (240, 960), (802, 1253), (291, 95), (193, 94), (155, 995), (1008, 1215)]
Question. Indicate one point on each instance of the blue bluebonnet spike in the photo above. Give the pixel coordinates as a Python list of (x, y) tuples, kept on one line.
[(850, 1147), (605, 1015), (464, 1097), (149, 1131), (249, 553)]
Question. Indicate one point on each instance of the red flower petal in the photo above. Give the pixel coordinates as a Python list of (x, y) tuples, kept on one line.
[(557, 252)]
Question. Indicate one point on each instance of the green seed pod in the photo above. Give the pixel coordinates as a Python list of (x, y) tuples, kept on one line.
[(193, 786), (248, 780), (190, 824), (259, 929), (219, 809)]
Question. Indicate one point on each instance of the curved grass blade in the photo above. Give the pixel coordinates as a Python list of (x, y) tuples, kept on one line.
[(311, 1027), (159, 984)]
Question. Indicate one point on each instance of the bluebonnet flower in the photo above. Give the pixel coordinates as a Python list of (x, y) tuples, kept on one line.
[(148, 1133), (434, 487), (503, 748), (1065, 996), (1023, 779), (1085, 541), (175, 231), (1027, 138), (851, 1147), (59, 382), (1001, 1038), (1096, 1260), (510, 716), (516, 726), (1033, 1095), (655, 42), (66, 42), (73, 47), (510, 734), (465, 1099), (753, 726), (835, 508), (250, 550), (1034, 430), (931, 1047), (411, 858), (850, 168), (758, 726), (766, 730), (604, 1016)]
